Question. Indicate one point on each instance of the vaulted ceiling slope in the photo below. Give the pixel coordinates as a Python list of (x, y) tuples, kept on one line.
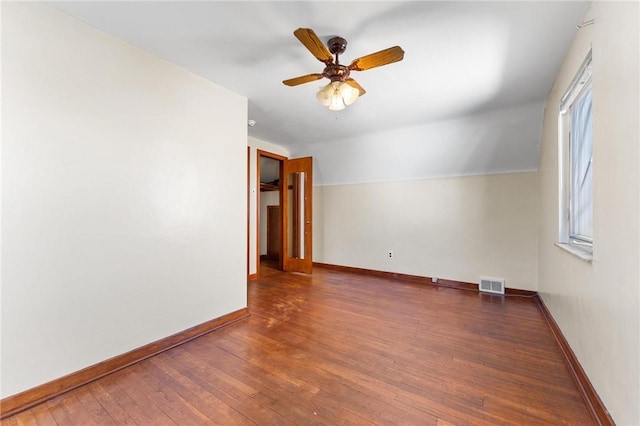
[(470, 89)]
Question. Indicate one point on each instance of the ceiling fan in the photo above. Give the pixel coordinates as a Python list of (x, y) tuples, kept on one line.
[(343, 90)]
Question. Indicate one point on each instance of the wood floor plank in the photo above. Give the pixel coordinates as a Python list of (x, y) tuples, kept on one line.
[(225, 392), (43, 416), (57, 411), (133, 387), (205, 402), (26, 418), (337, 348), (98, 414), (76, 413), (10, 421), (115, 402), (163, 393)]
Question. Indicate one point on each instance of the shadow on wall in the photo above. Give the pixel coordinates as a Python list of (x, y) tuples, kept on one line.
[(499, 141)]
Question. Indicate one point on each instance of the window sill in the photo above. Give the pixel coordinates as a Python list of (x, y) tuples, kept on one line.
[(579, 253)]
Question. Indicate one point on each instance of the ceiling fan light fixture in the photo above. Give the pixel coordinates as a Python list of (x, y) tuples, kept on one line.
[(337, 95)]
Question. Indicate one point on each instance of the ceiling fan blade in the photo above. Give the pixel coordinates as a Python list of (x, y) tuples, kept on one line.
[(383, 57), (313, 43), (303, 79), (351, 82)]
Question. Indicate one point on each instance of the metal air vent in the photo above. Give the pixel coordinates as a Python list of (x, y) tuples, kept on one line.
[(491, 285)]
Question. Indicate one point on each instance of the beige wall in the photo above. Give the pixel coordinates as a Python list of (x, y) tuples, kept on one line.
[(123, 197), (453, 228), (597, 304)]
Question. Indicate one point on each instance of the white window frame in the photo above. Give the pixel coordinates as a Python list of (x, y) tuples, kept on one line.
[(580, 245)]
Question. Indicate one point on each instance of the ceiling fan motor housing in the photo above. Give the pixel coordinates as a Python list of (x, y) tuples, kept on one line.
[(335, 71)]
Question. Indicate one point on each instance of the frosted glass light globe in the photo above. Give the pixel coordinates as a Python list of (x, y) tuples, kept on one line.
[(349, 94), (337, 95)]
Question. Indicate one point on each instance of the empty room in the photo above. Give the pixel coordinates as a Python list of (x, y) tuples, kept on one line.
[(319, 212)]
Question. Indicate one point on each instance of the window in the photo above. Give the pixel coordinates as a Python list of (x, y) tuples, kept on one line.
[(576, 164)]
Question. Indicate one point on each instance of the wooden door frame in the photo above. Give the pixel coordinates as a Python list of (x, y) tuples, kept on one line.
[(248, 211), (281, 159)]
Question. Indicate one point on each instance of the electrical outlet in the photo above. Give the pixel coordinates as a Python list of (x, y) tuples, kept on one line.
[(434, 279), (390, 254)]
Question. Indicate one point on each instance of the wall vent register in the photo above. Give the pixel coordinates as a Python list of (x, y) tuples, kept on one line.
[(491, 285)]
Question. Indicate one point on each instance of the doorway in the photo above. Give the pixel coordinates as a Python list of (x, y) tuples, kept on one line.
[(270, 168), (284, 216)]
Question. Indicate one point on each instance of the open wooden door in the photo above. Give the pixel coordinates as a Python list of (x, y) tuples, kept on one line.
[(297, 199)]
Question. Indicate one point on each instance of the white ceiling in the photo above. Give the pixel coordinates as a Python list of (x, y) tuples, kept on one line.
[(461, 59)]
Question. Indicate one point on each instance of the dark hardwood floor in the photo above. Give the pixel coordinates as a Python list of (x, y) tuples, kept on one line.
[(338, 348)]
